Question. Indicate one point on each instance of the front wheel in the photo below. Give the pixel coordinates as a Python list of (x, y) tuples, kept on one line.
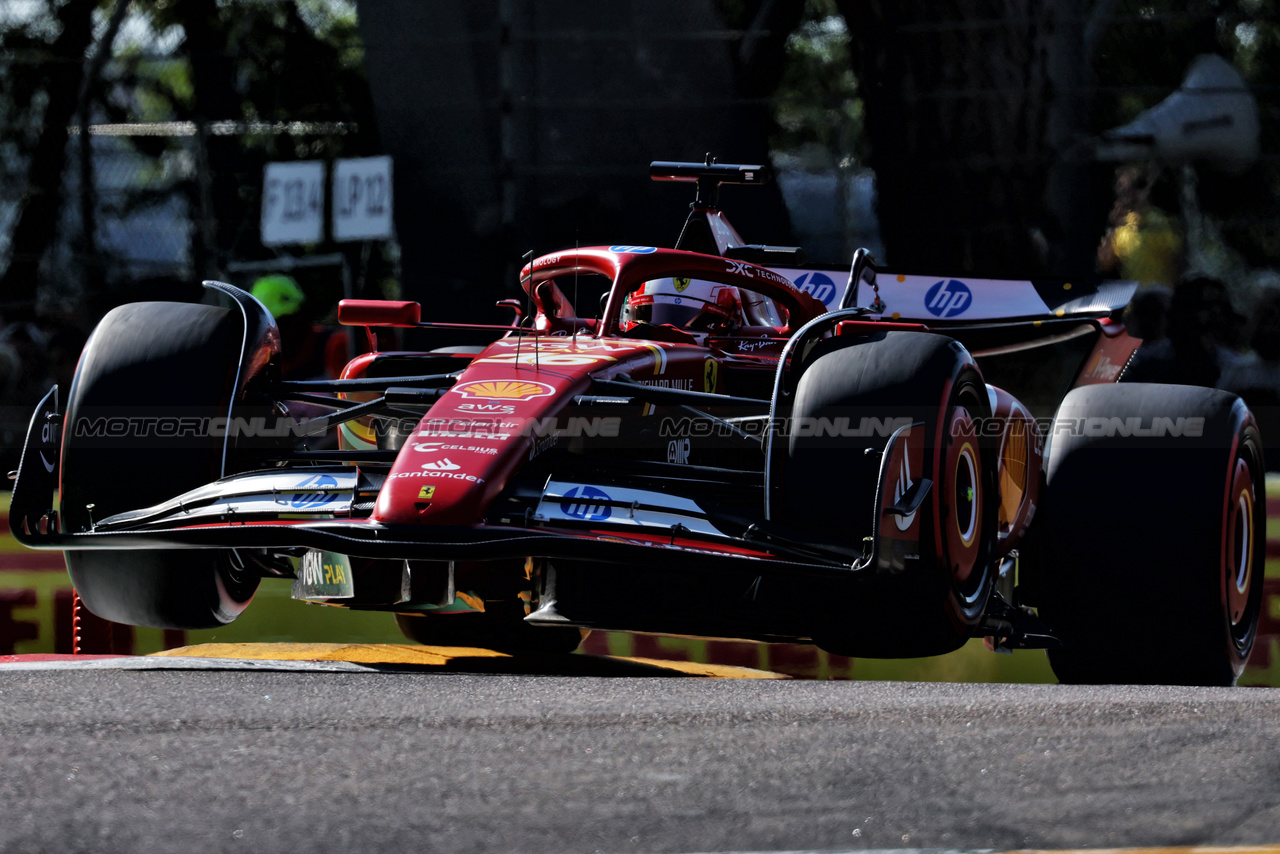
[(931, 601), (149, 365), (162, 588)]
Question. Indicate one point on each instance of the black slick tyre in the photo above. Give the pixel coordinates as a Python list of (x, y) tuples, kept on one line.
[(1148, 548), (933, 603), (148, 376)]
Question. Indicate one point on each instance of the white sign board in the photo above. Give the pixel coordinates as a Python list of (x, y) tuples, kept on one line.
[(293, 202), (362, 199)]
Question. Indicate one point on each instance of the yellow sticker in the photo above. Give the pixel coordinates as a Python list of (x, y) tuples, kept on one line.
[(505, 389), (681, 283), (710, 373), (426, 493)]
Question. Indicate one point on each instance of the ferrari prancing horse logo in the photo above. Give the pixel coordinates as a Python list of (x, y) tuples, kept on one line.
[(710, 373)]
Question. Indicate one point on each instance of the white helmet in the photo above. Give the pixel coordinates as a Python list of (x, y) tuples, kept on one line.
[(689, 304)]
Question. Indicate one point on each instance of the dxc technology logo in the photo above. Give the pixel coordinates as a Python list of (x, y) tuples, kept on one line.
[(948, 298)]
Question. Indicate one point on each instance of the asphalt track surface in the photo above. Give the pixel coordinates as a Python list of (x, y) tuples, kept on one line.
[(342, 757)]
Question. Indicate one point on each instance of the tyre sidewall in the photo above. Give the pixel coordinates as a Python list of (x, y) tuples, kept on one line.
[(1130, 549)]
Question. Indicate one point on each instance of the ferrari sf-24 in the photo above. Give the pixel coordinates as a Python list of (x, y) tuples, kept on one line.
[(712, 439)]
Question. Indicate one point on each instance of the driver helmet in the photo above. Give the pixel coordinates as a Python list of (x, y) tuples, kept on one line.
[(690, 304)]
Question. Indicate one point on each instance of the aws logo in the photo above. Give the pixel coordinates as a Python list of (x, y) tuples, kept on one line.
[(948, 298)]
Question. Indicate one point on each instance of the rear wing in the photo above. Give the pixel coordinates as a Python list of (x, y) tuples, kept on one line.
[(933, 300), (956, 300)]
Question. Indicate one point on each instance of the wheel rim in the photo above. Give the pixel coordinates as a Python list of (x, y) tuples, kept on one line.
[(1239, 553), (964, 496), (234, 590), (966, 480)]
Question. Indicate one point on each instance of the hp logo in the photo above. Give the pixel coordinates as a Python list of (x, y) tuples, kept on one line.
[(948, 298), (817, 285), (586, 503), (312, 500)]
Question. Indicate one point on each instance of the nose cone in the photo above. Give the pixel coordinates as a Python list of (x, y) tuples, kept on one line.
[(507, 407), (467, 447)]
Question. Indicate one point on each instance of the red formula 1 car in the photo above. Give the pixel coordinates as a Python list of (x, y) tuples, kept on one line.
[(737, 446)]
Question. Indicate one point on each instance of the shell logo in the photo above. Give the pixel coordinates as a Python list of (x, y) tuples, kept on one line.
[(505, 389)]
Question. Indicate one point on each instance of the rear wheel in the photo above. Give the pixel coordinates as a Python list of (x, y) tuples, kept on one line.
[(1149, 549), (931, 603), (137, 434)]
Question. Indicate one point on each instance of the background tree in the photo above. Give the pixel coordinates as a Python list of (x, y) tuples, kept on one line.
[(955, 98), (972, 113), (978, 115), (263, 82), (258, 81), (45, 107)]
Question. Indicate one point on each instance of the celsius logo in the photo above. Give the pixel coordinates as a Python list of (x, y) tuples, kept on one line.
[(586, 503), (817, 285), (318, 496), (948, 298)]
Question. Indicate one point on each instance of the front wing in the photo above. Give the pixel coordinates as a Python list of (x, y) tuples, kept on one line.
[(305, 508)]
